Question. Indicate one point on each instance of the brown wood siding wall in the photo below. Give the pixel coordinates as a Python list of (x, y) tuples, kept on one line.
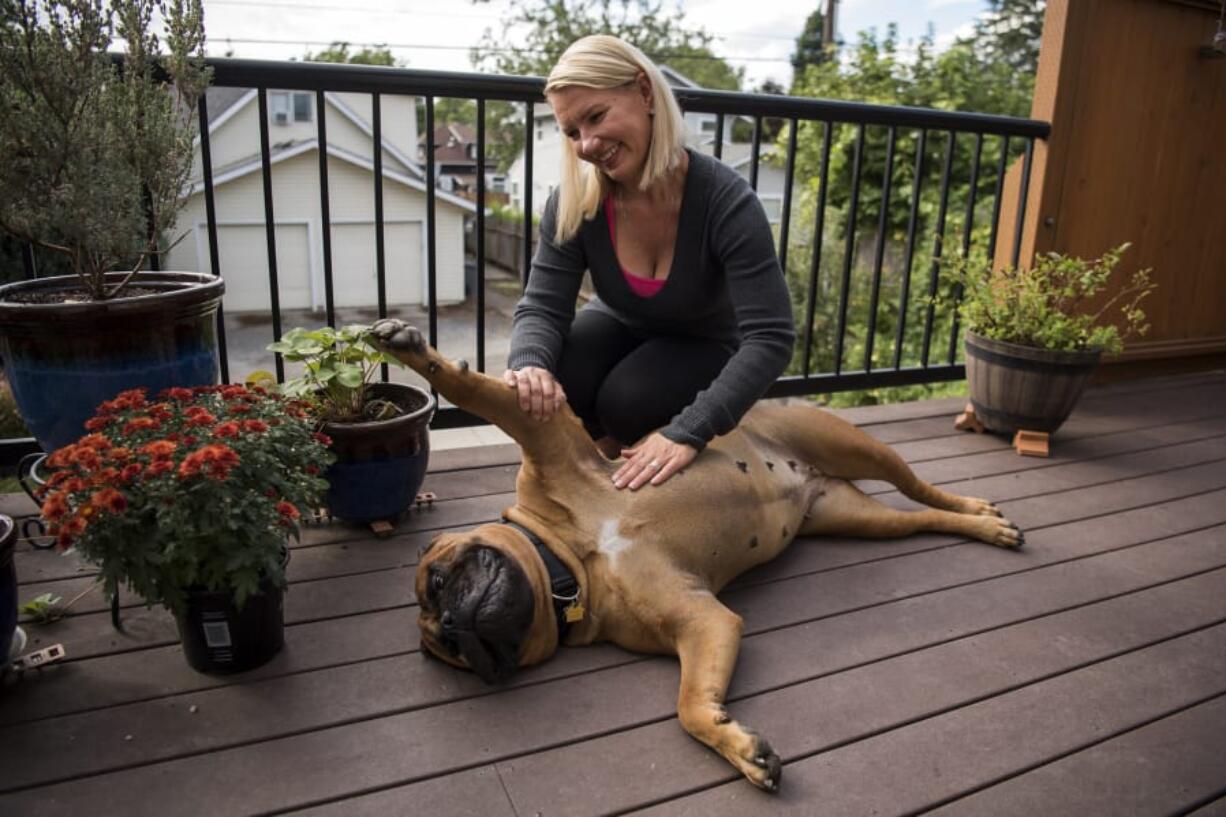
[(1137, 153)]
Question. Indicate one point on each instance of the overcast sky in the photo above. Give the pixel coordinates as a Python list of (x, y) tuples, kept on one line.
[(436, 34)]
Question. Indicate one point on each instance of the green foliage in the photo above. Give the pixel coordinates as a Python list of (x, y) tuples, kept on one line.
[(1051, 304), (199, 489), (810, 50), (96, 157), (1010, 33), (338, 367), (43, 609), (552, 25), (914, 229), (11, 424), (339, 52), (894, 394)]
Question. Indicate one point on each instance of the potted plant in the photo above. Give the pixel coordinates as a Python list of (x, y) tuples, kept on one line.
[(379, 431), (97, 152), (1035, 335), (190, 499)]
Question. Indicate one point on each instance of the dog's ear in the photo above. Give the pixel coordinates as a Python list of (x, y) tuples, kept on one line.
[(424, 549)]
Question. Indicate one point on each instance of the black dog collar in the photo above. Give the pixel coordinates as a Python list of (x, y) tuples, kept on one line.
[(563, 587)]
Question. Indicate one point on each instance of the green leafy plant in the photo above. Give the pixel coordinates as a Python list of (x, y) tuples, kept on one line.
[(43, 609), (198, 489), (97, 153), (338, 366), (1053, 304)]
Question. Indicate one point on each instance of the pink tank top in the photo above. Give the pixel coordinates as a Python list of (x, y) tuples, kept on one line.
[(640, 286)]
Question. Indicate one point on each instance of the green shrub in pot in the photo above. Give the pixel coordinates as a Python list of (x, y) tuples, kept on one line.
[(1035, 334)]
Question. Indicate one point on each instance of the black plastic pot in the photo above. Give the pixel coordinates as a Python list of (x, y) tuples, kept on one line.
[(380, 465), (63, 359), (220, 639), (8, 586)]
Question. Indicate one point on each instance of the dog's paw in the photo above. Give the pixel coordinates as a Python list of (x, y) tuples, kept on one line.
[(768, 768), (979, 507), (397, 336), (996, 530)]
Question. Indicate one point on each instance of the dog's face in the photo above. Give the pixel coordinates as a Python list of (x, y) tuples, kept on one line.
[(484, 602)]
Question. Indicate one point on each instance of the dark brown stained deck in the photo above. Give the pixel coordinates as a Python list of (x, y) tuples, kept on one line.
[(1084, 675)]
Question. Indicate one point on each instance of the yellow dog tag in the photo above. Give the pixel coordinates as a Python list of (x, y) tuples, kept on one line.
[(574, 612)]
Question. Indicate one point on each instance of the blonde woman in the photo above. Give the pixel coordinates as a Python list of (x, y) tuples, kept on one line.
[(692, 320)]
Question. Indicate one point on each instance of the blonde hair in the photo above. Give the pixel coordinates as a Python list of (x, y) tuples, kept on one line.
[(604, 62)]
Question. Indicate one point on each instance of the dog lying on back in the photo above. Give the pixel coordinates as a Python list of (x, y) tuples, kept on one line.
[(577, 561)]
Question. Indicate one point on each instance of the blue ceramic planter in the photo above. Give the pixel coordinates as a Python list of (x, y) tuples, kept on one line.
[(8, 587), (380, 465), (63, 359)]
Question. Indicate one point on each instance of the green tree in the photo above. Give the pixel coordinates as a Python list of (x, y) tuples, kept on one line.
[(552, 25), (809, 47), (969, 76), (339, 52), (1010, 33)]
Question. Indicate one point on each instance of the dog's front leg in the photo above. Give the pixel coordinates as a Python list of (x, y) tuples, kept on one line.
[(708, 637), (480, 394)]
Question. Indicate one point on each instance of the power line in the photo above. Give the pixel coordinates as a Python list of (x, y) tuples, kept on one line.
[(299, 7), (504, 50)]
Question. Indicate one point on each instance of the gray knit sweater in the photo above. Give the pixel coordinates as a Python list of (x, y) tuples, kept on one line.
[(724, 284)]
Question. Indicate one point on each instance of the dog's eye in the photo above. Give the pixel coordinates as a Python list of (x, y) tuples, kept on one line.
[(436, 581)]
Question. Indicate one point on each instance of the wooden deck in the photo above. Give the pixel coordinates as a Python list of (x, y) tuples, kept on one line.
[(1085, 675)]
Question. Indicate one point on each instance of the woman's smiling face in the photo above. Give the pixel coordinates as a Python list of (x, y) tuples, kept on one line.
[(610, 128)]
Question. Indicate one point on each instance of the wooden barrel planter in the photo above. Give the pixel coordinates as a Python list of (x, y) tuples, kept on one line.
[(1020, 387)]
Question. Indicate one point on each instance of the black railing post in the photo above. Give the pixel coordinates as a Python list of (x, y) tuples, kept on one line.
[(937, 248), (849, 250), (380, 260), (819, 230), (1023, 194), (210, 211), (431, 225), (325, 211), (270, 230), (879, 255), (480, 227), (921, 146), (529, 137)]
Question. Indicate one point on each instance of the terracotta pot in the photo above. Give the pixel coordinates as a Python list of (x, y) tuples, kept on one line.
[(62, 360), (1020, 387)]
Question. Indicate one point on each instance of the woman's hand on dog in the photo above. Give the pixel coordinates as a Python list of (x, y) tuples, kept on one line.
[(539, 393), (654, 460)]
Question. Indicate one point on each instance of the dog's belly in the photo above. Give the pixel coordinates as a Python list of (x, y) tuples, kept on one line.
[(739, 505)]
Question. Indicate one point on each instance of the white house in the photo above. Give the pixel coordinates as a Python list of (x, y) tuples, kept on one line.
[(234, 140)]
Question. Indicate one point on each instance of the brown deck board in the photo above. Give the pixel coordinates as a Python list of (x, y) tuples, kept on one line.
[(894, 656), (1150, 770)]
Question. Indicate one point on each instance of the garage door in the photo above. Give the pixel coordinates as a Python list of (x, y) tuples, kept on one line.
[(354, 279), (244, 266)]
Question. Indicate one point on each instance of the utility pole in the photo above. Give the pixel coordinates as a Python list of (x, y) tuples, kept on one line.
[(828, 27)]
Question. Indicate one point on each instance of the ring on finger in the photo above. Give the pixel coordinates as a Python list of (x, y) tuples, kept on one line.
[(654, 464)]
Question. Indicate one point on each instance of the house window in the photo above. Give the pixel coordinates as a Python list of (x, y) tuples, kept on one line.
[(707, 126), (773, 205), (286, 106)]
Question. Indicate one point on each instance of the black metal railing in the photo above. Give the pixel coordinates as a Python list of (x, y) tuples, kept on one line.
[(832, 207)]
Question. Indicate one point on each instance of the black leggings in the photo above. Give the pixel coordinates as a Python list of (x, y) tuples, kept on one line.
[(624, 385)]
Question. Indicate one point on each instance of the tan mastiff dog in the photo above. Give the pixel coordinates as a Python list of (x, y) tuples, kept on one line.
[(647, 564)]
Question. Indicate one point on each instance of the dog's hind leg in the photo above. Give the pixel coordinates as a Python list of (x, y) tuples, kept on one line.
[(707, 637), (839, 449), (843, 509)]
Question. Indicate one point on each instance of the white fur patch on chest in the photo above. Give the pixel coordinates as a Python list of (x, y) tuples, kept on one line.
[(611, 543)]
